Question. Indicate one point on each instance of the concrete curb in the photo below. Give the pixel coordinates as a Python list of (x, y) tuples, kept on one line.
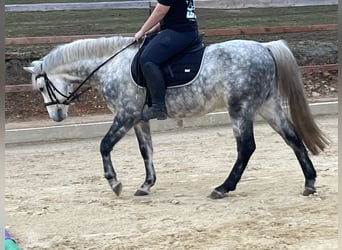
[(99, 129)]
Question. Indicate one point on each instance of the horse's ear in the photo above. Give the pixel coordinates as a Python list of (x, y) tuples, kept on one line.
[(29, 69), (33, 67)]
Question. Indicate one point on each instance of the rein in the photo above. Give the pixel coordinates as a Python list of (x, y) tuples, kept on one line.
[(74, 94)]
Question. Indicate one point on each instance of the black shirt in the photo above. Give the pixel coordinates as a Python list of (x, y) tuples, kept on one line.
[(181, 15)]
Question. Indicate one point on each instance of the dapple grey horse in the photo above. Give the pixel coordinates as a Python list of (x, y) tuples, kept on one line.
[(246, 77)]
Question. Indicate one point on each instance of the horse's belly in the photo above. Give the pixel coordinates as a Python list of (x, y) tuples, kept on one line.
[(187, 105)]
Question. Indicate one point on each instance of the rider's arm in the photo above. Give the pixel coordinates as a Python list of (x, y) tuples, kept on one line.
[(157, 15), (155, 29)]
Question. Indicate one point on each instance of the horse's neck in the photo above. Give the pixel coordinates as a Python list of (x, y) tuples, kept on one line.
[(81, 58), (80, 70)]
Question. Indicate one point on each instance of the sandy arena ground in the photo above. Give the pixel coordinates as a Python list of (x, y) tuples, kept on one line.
[(57, 198)]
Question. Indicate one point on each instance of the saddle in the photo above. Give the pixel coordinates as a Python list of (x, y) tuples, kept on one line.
[(179, 70)]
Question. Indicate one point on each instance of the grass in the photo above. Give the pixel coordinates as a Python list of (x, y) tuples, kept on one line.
[(128, 21)]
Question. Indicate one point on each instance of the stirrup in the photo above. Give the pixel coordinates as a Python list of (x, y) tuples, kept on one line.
[(154, 112)]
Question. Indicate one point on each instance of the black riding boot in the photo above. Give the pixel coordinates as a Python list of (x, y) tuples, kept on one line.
[(156, 85)]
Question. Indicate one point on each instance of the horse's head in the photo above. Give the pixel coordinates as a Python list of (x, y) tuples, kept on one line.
[(55, 88)]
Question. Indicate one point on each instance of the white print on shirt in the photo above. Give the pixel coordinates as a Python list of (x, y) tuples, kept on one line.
[(190, 14)]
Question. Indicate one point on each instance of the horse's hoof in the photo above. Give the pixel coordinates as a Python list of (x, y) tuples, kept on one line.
[(117, 188), (308, 191), (141, 192), (309, 187), (216, 195)]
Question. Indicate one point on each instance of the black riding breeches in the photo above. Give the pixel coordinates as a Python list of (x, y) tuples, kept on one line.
[(166, 44)]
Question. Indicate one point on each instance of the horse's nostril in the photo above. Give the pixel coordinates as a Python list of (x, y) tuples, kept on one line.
[(59, 112)]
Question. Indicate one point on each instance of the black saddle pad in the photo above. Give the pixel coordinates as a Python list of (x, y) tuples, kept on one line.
[(178, 71)]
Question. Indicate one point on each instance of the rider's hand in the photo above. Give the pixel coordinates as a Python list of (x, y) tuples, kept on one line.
[(138, 35)]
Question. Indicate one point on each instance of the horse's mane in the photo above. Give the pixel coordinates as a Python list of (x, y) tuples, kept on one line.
[(85, 48)]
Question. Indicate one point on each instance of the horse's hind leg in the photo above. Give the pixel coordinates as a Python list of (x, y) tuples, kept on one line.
[(273, 113), (142, 131), (243, 132)]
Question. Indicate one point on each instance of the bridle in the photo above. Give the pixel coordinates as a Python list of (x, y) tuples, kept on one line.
[(51, 88)]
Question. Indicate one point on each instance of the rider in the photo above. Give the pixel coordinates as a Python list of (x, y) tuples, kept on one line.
[(176, 22)]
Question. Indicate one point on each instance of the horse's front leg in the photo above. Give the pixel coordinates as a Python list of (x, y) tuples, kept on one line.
[(119, 128), (143, 133)]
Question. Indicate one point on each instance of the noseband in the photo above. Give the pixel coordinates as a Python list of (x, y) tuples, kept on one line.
[(50, 87)]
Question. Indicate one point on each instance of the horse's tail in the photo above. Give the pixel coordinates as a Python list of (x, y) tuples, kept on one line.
[(291, 90)]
